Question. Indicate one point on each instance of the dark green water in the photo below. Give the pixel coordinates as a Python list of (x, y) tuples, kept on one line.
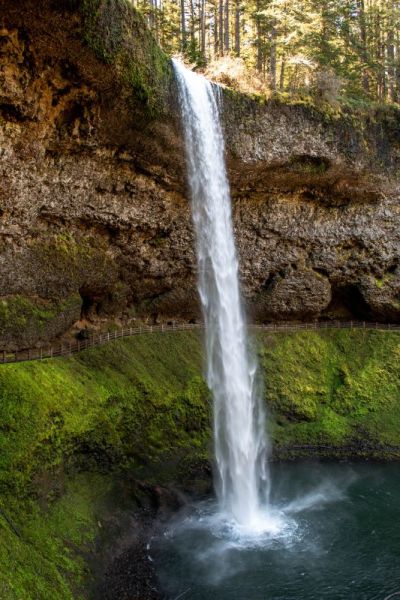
[(338, 538)]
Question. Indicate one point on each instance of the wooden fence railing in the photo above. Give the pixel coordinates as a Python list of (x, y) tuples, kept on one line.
[(67, 349)]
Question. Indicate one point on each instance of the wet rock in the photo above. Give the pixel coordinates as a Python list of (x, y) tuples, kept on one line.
[(296, 294), (123, 566)]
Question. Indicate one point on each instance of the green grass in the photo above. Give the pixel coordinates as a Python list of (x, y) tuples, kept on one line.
[(71, 430)]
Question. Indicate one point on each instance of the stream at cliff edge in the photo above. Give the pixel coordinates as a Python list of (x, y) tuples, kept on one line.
[(337, 537)]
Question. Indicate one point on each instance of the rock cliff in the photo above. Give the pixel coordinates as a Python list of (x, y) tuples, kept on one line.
[(94, 217)]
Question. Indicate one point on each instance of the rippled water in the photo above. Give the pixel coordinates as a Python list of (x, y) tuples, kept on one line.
[(334, 534)]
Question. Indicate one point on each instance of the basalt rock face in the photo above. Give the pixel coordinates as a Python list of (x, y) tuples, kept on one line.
[(317, 208), (94, 217)]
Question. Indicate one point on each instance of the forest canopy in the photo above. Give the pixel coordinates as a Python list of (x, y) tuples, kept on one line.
[(334, 49)]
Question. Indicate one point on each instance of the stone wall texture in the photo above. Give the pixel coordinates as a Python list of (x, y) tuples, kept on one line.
[(95, 222)]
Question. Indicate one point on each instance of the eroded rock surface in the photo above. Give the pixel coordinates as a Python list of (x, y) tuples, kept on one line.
[(94, 217)]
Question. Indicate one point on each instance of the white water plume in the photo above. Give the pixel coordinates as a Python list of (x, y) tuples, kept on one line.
[(241, 479)]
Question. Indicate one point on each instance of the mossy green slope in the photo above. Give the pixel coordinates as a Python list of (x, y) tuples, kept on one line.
[(71, 428), (334, 393), (42, 548), (138, 405), (128, 403)]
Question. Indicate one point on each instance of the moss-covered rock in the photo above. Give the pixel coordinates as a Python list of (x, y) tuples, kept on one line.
[(77, 275), (334, 393), (68, 262), (130, 404), (118, 35), (24, 321), (139, 405)]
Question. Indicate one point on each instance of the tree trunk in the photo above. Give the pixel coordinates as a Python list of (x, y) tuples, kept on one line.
[(221, 27), (226, 36), (216, 30), (282, 73), (237, 27), (364, 50), (183, 27), (382, 54), (203, 29), (192, 28), (272, 57), (391, 53)]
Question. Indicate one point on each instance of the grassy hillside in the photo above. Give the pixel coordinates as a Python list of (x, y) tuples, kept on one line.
[(129, 403), (337, 392), (135, 405), (72, 429)]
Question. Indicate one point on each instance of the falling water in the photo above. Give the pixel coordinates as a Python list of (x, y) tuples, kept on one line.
[(239, 425)]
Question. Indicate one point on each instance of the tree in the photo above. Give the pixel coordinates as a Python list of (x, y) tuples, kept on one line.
[(293, 44)]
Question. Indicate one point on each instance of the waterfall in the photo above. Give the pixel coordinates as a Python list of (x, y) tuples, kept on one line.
[(241, 480)]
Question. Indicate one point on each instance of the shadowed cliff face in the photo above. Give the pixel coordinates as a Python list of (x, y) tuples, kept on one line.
[(94, 216)]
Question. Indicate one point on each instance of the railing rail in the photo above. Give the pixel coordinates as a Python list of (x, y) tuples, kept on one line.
[(67, 349)]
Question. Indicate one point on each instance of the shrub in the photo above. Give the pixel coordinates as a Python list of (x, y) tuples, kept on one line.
[(327, 86)]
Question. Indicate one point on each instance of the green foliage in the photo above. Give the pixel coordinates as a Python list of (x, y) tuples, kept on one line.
[(42, 545), (337, 51), (132, 403)]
